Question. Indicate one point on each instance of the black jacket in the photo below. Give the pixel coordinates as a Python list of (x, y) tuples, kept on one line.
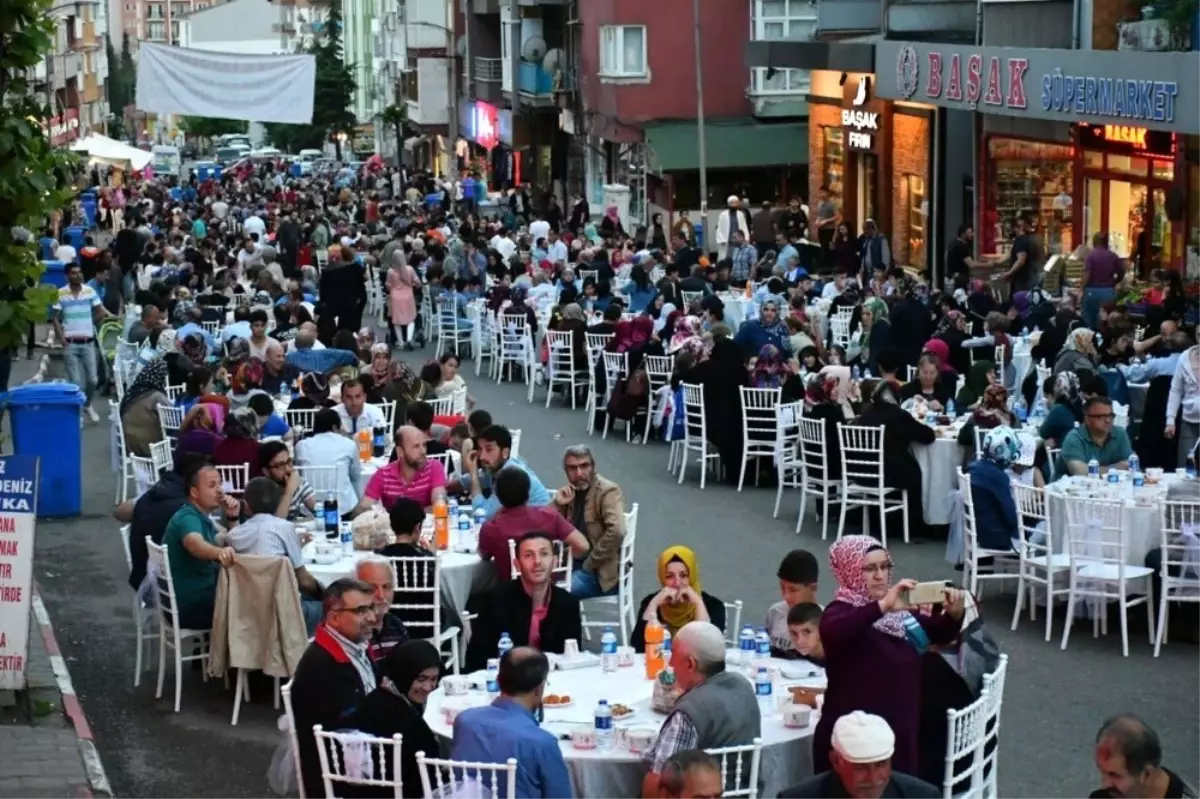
[(151, 513), (828, 785), (508, 608), (383, 714), (900, 431), (343, 288), (326, 690)]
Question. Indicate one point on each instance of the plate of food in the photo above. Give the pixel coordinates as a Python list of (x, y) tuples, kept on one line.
[(556, 701), (620, 711)]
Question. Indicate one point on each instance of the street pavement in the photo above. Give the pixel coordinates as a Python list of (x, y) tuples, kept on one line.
[(1054, 701)]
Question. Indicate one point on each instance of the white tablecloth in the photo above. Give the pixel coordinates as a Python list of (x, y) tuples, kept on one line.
[(1141, 520), (459, 573), (938, 462), (786, 755)]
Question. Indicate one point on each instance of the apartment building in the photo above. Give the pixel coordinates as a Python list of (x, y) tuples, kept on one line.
[(74, 74), (150, 20)]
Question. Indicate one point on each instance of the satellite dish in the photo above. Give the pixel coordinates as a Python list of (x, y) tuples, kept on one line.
[(553, 60), (533, 49), (460, 46)]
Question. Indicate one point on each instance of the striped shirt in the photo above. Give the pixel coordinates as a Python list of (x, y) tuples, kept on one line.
[(387, 485), (76, 311)]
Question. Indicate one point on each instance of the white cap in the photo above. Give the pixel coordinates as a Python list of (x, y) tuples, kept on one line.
[(731, 199), (863, 738)]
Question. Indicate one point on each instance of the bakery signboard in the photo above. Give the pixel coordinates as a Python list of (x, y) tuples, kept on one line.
[(1101, 87)]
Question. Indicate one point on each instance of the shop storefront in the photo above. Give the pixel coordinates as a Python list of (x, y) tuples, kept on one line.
[(486, 147), (874, 155), (1115, 154)]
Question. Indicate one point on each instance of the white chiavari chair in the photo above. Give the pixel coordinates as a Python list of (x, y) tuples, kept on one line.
[(355, 758), (301, 418), (616, 369), (862, 480), (760, 423), (1038, 564), (418, 602), (516, 345), (695, 433), (176, 391), (442, 778), (658, 374), (973, 552), (170, 635), (388, 409), (1180, 570), (563, 371), (787, 449), (170, 419), (624, 600), (450, 332), (815, 477), (733, 621), (234, 478), (739, 768)]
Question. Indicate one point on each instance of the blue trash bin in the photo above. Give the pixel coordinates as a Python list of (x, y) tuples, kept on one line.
[(45, 423), (699, 228), (54, 273), (74, 235)]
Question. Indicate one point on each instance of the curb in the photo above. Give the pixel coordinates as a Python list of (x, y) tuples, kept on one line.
[(96, 775)]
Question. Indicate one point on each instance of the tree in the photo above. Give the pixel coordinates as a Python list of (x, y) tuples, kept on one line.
[(35, 178), (395, 116), (333, 94), (210, 128)]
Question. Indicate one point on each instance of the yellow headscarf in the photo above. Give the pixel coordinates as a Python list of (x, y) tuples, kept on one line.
[(679, 614)]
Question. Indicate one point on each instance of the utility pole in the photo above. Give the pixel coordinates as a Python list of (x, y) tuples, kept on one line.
[(452, 91), (700, 121)]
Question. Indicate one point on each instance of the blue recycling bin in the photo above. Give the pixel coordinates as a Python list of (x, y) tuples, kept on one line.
[(74, 235), (45, 423), (699, 228), (89, 212), (54, 273)]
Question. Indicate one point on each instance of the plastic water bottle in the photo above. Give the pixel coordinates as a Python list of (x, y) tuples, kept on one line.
[(347, 532), (1019, 410), (480, 517), (950, 409), (866, 374), (1114, 476), (493, 676), (604, 728), (1094, 468), (1039, 409), (665, 648), (464, 522), (1139, 479), (762, 647), (1135, 463), (452, 504), (608, 651), (746, 645), (854, 373), (931, 418), (506, 642), (763, 691)]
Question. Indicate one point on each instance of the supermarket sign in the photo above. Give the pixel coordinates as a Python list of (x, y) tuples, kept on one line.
[(18, 507), (1099, 87)]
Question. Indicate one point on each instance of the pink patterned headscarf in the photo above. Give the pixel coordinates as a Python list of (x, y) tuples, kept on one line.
[(846, 558)]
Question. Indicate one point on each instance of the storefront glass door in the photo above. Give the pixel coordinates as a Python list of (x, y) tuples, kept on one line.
[(868, 188), (1121, 210)]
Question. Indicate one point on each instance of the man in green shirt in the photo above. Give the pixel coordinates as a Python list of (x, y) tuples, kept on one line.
[(193, 551), (1098, 439)]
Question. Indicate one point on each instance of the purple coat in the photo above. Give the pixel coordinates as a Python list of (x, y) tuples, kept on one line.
[(874, 672)]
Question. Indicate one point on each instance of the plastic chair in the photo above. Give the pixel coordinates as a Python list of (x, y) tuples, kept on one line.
[(449, 335), (966, 730), (234, 478), (787, 450), (442, 406), (144, 616), (1180, 526), (170, 419), (993, 688), (388, 408), (471, 779), (616, 369), (658, 374), (1038, 564), (127, 474), (972, 552), (421, 578), (563, 369), (862, 480), (293, 742), (301, 418), (373, 754), (515, 345), (624, 599), (170, 634), (323, 479), (695, 432), (760, 428), (451, 461), (174, 392), (515, 450), (738, 777)]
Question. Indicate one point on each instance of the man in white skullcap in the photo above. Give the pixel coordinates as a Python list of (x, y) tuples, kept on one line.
[(717, 707), (729, 222), (861, 761)]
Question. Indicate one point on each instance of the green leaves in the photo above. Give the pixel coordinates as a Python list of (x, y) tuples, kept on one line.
[(333, 94), (35, 179), (209, 128)]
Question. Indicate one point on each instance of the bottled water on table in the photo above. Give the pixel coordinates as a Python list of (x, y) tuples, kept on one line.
[(950, 409), (665, 649), (608, 651), (762, 647), (763, 691), (1019, 410), (854, 373), (506, 642), (604, 728), (493, 676), (1135, 463), (1094, 468), (746, 645)]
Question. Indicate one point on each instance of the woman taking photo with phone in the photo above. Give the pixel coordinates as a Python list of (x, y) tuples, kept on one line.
[(873, 641)]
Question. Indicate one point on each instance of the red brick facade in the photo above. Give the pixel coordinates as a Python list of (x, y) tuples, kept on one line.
[(910, 157)]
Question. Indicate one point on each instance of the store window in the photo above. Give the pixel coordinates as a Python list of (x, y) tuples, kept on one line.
[(835, 162), (918, 210), (781, 20), (1033, 178)]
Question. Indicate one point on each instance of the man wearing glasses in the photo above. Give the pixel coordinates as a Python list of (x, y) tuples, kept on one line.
[(1096, 439), (277, 464), (335, 673)]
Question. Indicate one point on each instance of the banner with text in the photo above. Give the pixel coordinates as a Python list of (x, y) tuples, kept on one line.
[(18, 509)]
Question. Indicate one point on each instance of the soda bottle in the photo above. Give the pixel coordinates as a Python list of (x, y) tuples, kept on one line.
[(441, 524), (608, 651), (329, 514), (654, 658), (364, 444), (379, 441)]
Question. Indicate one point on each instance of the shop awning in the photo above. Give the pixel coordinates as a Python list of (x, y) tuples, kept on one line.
[(729, 144)]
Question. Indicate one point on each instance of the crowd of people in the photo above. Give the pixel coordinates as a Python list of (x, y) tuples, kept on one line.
[(248, 294)]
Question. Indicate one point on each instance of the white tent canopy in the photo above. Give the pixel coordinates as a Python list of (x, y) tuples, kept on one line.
[(112, 152)]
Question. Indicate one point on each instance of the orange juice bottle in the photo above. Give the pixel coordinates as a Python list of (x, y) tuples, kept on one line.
[(654, 655), (365, 445), (441, 524)]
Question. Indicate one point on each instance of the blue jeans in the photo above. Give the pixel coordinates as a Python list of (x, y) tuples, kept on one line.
[(312, 612), (1093, 299), (80, 361), (586, 585)]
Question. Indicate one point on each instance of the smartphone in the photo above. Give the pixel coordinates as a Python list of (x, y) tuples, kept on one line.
[(930, 593)]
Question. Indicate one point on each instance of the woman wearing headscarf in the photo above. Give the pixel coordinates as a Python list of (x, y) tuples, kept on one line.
[(769, 370), (991, 412), (401, 282), (314, 394), (1079, 352), (573, 320), (518, 307), (720, 375), (981, 375), (195, 348), (827, 398), (680, 600), (900, 433), (874, 333), (408, 675), (200, 430), (1066, 409), (687, 328), (768, 328), (952, 330), (241, 442), (873, 641), (246, 382), (995, 510), (610, 225), (139, 408)]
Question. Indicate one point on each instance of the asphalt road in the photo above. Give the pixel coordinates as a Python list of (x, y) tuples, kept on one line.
[(1053, 705)]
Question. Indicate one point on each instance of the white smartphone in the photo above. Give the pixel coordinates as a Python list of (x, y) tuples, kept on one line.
[(929, 593)]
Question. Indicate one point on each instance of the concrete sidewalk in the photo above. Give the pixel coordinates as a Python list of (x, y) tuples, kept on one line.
[(44, 737)]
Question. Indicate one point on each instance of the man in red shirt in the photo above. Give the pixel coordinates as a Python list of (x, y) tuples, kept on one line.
[(517, 517), (411, 475)]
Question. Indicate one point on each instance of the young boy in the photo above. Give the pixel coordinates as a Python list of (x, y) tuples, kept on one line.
[(797, 575), (804, 622)]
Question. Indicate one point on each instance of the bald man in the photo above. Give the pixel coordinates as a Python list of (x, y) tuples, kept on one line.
[(412, 475), (389, 631), (278, 375)]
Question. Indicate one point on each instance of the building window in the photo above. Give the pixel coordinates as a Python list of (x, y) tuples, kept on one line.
[(835, 162), (782, 20), (623, 51), (1031, 178), (917, 214)]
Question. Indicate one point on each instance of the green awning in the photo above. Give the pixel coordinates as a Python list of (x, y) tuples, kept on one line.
[(729, 144)]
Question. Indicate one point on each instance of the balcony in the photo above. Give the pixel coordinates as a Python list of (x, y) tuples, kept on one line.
[(1147, 35), (488, 70), (536, 83)]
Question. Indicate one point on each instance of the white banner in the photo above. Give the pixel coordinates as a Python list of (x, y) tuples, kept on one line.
[(256, 88), (18, 506)]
